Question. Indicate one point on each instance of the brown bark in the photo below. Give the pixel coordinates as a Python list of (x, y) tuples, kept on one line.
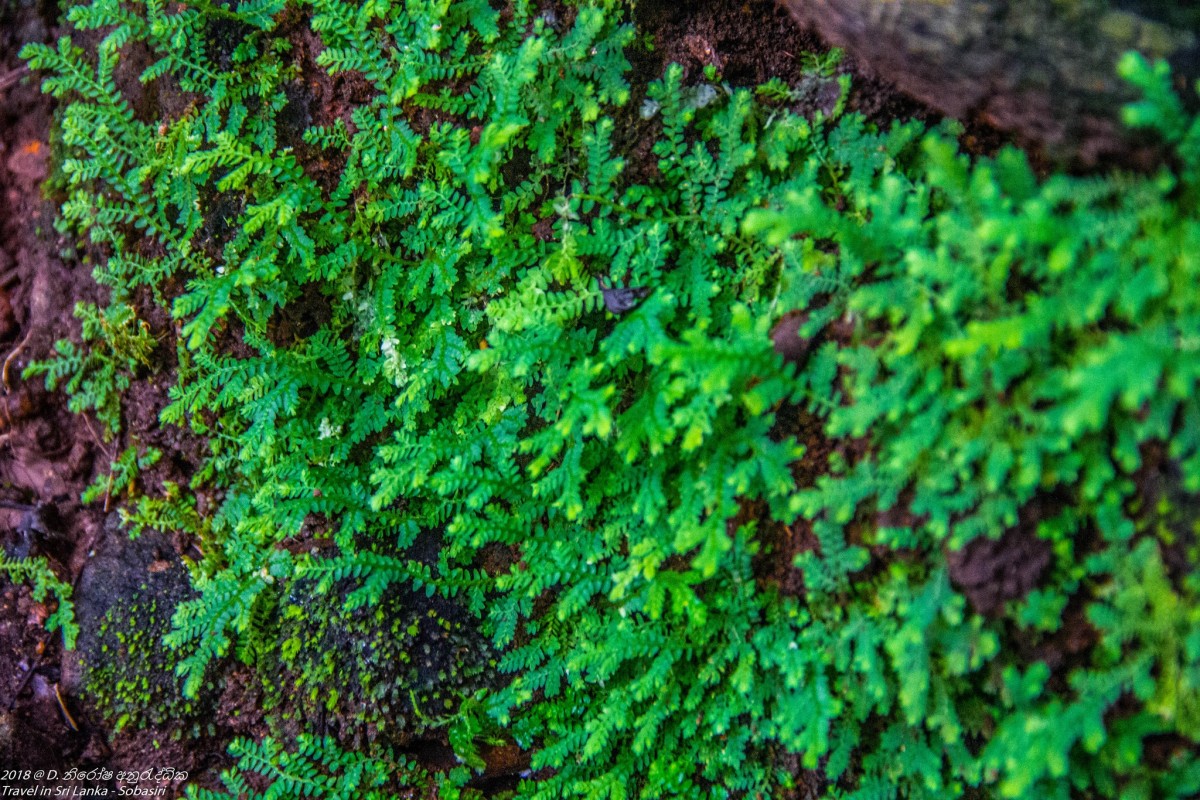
[(1044, 70)]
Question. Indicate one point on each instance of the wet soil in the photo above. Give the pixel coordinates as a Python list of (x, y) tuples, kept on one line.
[(45, 452), (48, 457)]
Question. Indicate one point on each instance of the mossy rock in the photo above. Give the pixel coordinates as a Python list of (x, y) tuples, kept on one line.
[(125, 599), (382, 673)]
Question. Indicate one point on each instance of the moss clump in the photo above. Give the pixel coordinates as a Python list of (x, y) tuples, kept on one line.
[(378, 673), (130, 674)]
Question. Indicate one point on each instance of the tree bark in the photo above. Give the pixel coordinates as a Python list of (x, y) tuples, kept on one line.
[(1044, 70)]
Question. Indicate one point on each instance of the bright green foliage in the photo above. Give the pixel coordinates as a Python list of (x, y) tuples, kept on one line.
[(986, 346), (315, 768), (118, 345), (121, 474), (43, 581), (1017, 343), (171, 512)]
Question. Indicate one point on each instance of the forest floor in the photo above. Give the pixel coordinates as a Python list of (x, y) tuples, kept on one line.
[(48, 455)]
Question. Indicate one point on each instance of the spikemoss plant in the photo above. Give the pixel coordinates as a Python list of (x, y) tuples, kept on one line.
[(527, 348), (116, 345), (44, 584)]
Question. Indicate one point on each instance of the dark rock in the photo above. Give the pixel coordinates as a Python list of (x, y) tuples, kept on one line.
[(788, 341), (992, 572), (120, 569), (1044, 71)]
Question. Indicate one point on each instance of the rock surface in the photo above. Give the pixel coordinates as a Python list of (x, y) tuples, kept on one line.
[(1044, 70)]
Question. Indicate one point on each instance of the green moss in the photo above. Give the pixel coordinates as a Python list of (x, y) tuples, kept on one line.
[(377, 674), (130, 673)]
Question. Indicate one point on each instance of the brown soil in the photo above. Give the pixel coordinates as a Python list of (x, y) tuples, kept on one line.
[(45, 452), (48, 456)]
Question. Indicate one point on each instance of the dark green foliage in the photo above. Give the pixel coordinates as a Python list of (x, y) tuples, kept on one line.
[(314, 768), (1004, 369)]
